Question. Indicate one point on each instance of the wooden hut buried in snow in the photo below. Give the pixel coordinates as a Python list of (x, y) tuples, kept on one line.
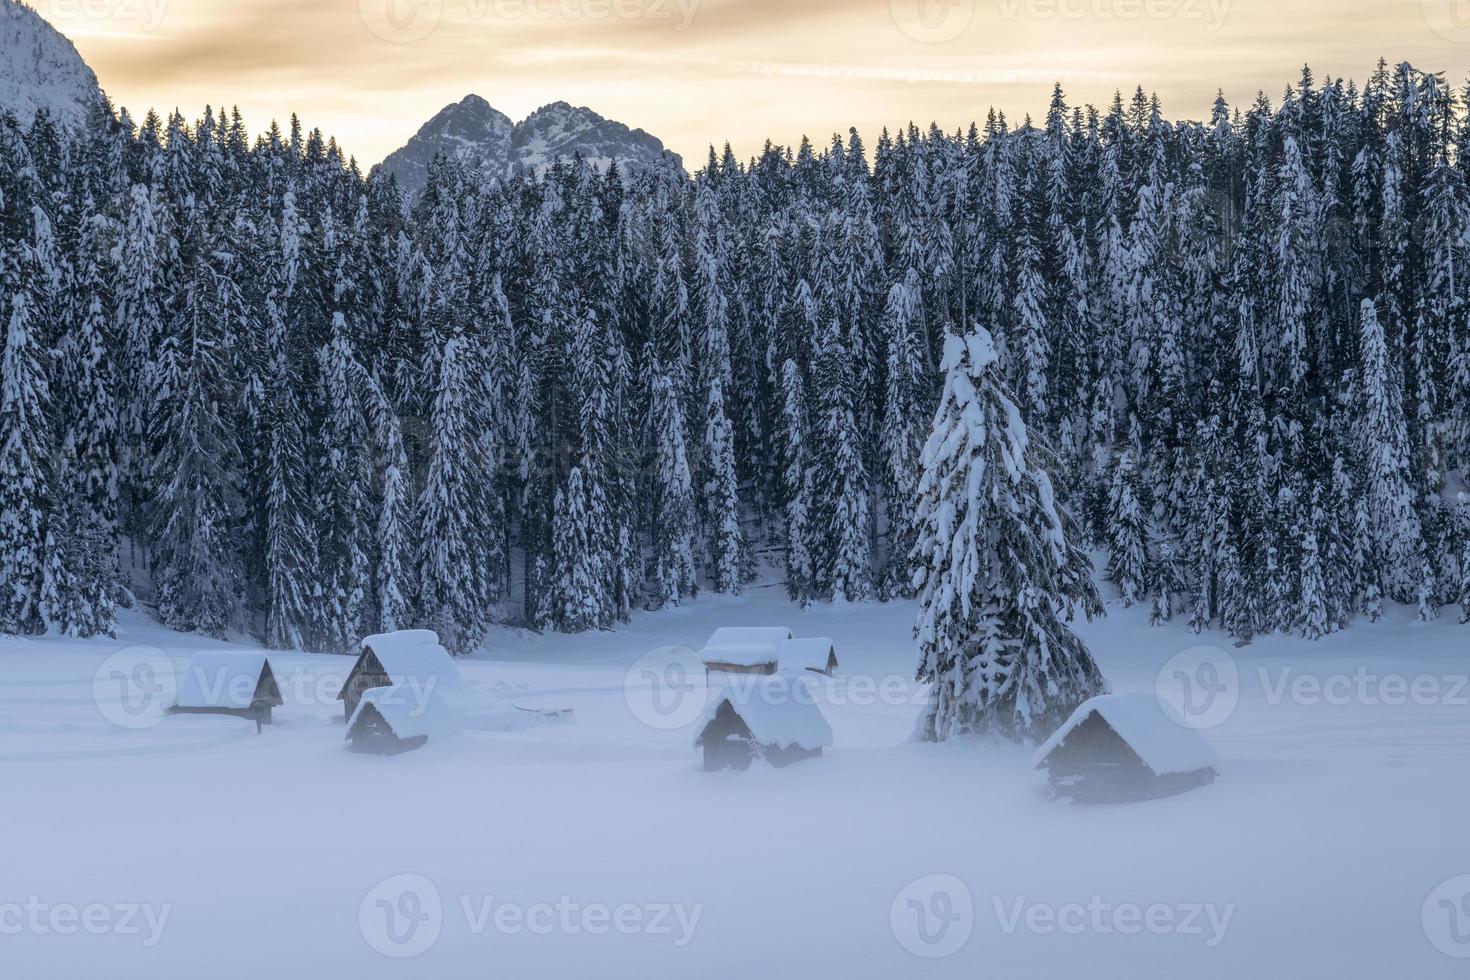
[(744, 649), (1119, 748), (808, 653), (412, 657), (774, 718), (235, 682), (390, 720)]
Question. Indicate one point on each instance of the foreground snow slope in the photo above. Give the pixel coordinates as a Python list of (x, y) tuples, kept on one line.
[(1329, 827)]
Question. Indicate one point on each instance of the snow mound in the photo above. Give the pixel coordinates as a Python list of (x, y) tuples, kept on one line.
[(41, 69), (1152, 729), (779, 710)]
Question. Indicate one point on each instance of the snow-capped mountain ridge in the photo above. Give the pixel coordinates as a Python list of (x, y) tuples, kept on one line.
[(475, 134), (41, 69)]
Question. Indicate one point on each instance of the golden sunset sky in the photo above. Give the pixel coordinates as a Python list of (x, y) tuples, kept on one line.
[(695, 72)]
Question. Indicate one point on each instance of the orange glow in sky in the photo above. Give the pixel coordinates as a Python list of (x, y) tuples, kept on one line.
[(696, 72)]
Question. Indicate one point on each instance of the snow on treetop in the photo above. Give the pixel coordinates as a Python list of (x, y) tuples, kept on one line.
[(1152, 729), (227, 679), (410, 711), (779, 710), (977, 343), (745, 646), (806, 653)]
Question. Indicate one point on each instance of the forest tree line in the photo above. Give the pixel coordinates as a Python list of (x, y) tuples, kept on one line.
[(250, 387)]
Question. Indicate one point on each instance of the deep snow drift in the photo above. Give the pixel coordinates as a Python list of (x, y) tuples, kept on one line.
[(194, 847)]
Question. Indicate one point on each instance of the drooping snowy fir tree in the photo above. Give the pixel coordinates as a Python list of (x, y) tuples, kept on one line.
[(998, 571), (1383, 440), (673, 499)]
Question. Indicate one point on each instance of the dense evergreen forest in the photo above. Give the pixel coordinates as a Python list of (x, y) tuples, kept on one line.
[(254, 389)]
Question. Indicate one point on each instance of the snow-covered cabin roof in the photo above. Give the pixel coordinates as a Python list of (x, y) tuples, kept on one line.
[(409, 711), (1154, 730), (807, 653), (779, 710), (415, 660), (225, 679), (745, 646), (413, 656)]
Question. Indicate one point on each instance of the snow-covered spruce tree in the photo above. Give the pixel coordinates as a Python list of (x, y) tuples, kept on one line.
[(902, 435), (143, 264), (1462, 585), (575, 587), (1127, 529), (392, 577), (721, 493), (796, 484), (345, 519), (196, 557), (290, 545), (844, 562), (25, 491), (673, 499), (997, 569), (87, 478), (1383, 440), (455, 595)]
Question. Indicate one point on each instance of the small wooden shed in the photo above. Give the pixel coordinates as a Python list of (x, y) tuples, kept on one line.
[(775, 719), (412, 657), (1120, 748), (233, 682), (744, 649), (817, 654), (414, 660), (392, 720)]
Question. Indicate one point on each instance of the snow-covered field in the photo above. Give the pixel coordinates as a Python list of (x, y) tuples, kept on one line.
[(196, 848)]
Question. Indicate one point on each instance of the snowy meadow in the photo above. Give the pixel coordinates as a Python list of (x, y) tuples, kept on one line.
[(577, 849)]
